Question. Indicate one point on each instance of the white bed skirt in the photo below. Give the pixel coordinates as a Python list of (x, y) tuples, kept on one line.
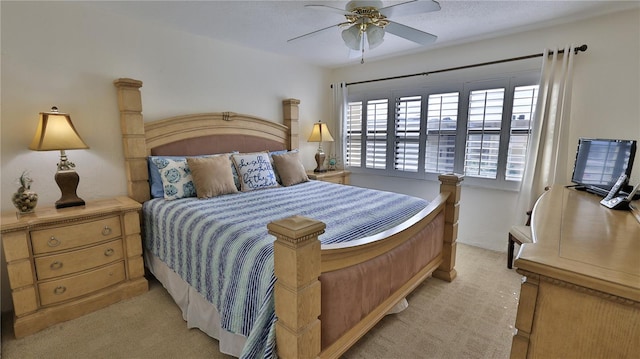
[(196, 310), (200, 314)]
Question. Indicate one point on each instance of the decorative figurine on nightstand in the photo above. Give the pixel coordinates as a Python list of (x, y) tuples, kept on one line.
[(332, 163), (25, 199)]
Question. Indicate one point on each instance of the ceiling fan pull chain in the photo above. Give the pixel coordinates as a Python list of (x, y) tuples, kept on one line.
[(362, 59)]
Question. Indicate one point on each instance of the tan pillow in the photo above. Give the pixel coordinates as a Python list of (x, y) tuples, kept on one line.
[(212, 176), (290, 168)]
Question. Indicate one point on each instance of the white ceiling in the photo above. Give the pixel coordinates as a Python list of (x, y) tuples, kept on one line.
[(267, 25)]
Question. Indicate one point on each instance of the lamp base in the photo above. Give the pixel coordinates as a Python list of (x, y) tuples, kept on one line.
[(68, 181), (320, 156)]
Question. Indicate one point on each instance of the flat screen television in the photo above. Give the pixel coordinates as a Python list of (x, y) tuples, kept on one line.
[(599, 163)]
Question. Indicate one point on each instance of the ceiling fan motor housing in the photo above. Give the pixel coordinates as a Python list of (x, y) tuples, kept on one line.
[(351, 5), (366, 13)]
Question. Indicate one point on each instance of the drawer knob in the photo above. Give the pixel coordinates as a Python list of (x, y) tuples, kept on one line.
[(53, 242), (109, 252), (106, 231), (56, 265), (59, 289)]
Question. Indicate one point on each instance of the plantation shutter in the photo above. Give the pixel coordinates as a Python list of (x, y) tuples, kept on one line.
[(442, 123), (524, 103), (407, 127), (376, 133), (353, 156), (483, 133)]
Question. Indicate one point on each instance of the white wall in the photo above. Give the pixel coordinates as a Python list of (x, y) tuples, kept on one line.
[(68, 54), (605, 103)]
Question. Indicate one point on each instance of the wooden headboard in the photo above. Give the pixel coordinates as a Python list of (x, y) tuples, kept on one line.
[(190, 135)]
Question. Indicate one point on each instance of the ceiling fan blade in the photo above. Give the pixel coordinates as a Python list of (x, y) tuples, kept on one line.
[(410, 8), (411, 34), (312, 33), (330, 8)]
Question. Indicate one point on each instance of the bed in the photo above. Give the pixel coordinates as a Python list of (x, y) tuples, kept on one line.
[(317, 296)]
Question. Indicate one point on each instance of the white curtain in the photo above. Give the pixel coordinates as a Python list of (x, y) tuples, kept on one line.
[(338, 114), (548, 144)]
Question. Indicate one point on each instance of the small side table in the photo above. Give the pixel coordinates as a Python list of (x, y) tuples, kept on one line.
[(338, 176), (64, 263)]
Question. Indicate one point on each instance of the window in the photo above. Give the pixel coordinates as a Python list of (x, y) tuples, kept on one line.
[(481, 130)]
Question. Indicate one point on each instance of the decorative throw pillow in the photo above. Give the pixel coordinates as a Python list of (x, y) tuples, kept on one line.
[(212, 176), (176, 178), (255, 171), (155, 180), (290, 168)]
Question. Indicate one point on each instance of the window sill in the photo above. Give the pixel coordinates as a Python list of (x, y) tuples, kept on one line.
[(508, 186)]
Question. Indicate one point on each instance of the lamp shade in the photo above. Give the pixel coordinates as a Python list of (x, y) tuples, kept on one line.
[(375, 36), (55, 131), (352, 37), (320, 133)]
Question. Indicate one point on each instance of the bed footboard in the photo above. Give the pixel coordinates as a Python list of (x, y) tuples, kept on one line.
[(300, 262)]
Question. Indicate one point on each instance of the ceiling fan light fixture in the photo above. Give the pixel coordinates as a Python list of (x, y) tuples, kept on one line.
[(375, 36), (352, 37)]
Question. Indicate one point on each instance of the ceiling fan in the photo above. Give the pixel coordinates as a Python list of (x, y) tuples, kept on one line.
[(368, 19)]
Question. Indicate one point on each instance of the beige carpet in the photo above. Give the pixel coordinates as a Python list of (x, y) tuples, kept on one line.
[(472, 317)]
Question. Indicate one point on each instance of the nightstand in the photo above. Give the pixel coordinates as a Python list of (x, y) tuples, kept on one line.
[(65, 263), (338, 176)]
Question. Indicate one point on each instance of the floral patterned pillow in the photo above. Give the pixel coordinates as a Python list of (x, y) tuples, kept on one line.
[(255, 171), (177, 181)]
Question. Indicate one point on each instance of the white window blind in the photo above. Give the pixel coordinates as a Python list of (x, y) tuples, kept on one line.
[(524, 103), (407, 125), (376, 130), (483, 133), (442, 124), (353, 133)]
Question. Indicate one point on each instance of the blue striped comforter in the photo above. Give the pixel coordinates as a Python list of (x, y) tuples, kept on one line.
[(221, 247)]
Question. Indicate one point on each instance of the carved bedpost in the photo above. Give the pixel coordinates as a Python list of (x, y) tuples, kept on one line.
[(133, 140), (291, 114), (449, 183), (297, 288)]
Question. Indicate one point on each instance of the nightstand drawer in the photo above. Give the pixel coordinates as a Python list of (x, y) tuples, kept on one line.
[(67, 263), (82, 234), (68, 288), (338, 180), (339, 177)]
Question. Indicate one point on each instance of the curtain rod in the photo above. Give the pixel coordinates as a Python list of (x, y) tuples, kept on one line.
[(575, 50)]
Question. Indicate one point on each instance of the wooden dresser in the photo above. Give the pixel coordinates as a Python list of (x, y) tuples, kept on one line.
[(64, 263), (338, 176), (580, 297)]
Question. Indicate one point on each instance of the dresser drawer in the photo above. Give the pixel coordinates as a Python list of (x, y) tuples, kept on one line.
[(71, 262), (71, 287), (75, 235)]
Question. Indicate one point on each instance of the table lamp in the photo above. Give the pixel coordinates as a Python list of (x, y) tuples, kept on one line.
[(55, 132), (320, 133)]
